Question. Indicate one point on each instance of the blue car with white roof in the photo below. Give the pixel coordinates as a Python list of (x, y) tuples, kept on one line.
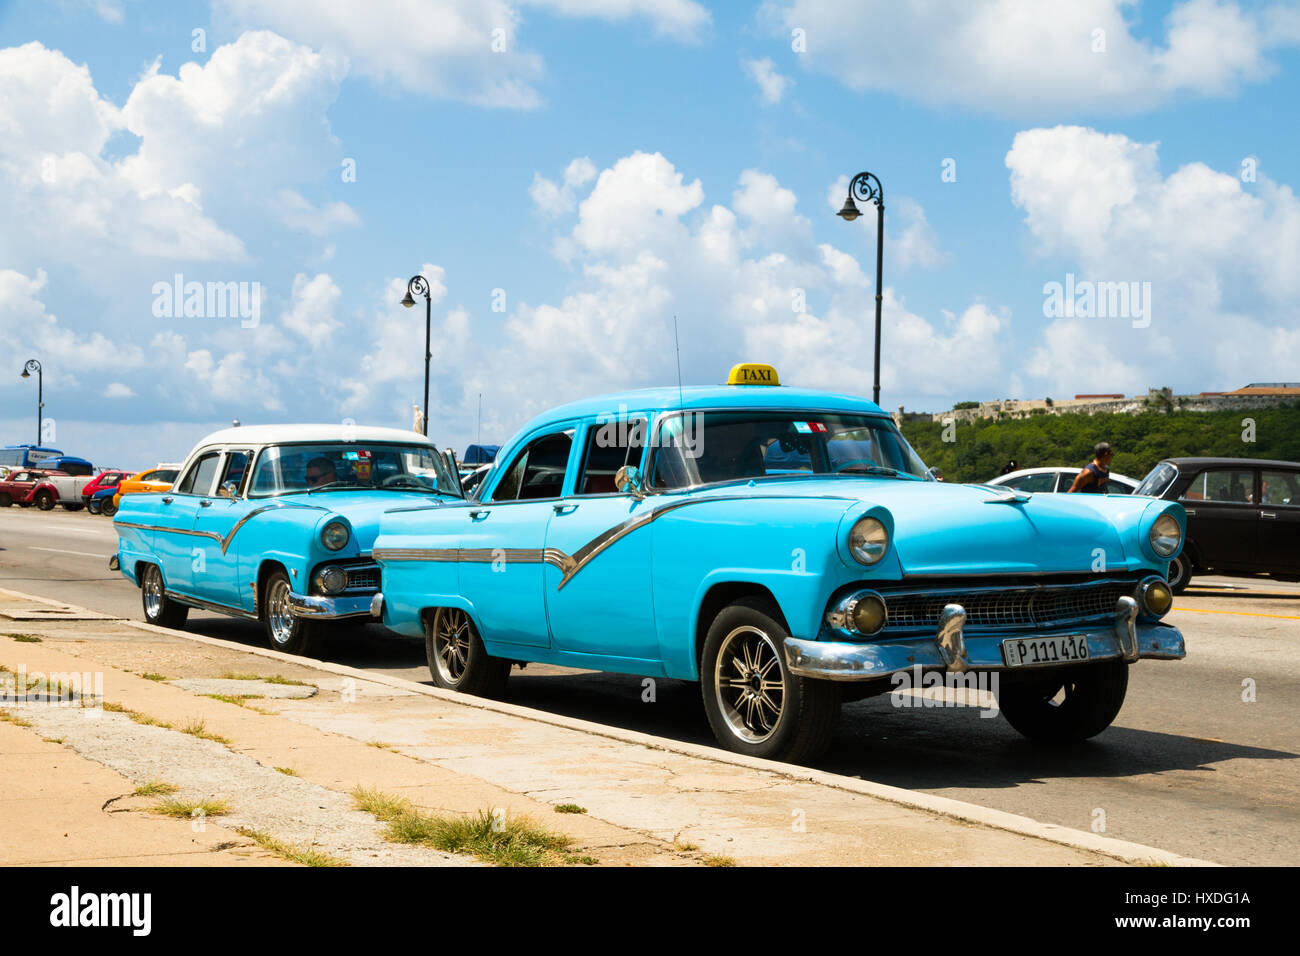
[(275, 523), (787, 549)]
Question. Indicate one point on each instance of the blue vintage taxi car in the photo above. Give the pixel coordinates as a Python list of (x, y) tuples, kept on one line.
[(275, 523), (787, 549)]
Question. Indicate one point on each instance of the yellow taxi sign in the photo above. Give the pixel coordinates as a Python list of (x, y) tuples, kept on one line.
[(753, 373)]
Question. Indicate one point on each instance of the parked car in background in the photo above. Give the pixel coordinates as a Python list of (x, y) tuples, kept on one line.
[(469, 481), (1243, 515), (101, 502), (658, 533), (18, 487), (275, 523), (157, 478), (60, 488), (1058, 478), (105, 481)]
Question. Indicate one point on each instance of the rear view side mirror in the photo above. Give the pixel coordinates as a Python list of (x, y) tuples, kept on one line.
[(229, 490), (628, 481)]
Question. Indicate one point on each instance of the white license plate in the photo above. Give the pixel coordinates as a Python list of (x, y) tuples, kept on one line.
[(1031, 651)]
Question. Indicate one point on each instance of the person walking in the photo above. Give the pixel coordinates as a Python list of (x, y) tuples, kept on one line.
[(1095, 476)]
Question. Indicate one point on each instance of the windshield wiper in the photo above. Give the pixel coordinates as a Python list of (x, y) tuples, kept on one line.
[(335, 486)]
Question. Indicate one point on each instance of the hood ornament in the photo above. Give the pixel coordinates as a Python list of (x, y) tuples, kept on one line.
[(1004, 495)]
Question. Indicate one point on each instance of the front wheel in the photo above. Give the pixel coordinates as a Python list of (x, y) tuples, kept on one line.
[(754, 704), (108, 509), (159, 609), (5, 499), (44, 500), (1180, 573), (92, 506), (1069, 707), (457, 658), (284, 630)]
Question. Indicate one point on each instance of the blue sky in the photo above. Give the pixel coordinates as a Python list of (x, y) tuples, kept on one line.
[(704, 147)]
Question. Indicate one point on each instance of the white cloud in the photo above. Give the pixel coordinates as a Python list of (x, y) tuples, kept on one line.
[(1219, 258), (299, 213), (771, 84), (118, 390), (311, 314), (1017, 56), (682, 20), (555, 199), (910, 241)]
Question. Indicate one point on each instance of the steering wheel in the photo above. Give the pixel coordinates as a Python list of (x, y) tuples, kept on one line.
[(394, 479), (850, 462)]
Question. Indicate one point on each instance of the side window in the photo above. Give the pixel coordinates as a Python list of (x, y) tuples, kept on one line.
[(538, 470), (1035, 483), (235, 469), (610, 446), (1279, 488), (1222, 484), (198, 480)]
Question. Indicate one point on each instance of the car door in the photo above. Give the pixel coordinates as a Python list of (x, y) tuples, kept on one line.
[(179, 550), (223, 576), (1278, 531), (1221, 516), (503, 544), (598, 600)]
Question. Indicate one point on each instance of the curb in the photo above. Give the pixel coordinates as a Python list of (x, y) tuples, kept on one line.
[(943, 806)]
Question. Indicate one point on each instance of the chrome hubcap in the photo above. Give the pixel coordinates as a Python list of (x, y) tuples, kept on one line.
[(277, 612), (153, 592), (749, 684), (451, 644)]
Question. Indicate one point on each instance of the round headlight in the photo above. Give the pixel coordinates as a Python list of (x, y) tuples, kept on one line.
[(1156, 596), (868, 540), (868, 614), (331, 579), (1165, 536), (334, 535)]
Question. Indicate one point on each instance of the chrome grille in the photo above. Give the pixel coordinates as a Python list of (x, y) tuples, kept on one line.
[(1007, 607), (362, 577)]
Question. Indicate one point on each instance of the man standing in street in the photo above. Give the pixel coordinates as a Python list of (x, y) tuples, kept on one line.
[(1095, 477)]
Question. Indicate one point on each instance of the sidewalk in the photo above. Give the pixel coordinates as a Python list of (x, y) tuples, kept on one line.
[(286, 755)]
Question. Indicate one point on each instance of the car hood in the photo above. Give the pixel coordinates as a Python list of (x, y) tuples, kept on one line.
[(363, 509), (942, 528)]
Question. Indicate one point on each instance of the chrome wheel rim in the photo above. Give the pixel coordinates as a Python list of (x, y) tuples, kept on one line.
[(153, 592), (749, 684), (277, 612), (1176, 571), (451, 639)]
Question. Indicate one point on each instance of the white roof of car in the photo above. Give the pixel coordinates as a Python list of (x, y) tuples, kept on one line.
[(280, 434), (1003, 479)]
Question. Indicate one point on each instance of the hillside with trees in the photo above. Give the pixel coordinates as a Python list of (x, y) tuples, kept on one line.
[(984, 446)]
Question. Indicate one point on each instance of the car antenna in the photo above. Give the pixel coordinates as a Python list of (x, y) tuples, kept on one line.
[(677, 342)]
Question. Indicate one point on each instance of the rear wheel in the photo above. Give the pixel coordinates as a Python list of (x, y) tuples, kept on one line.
[(108, 509), (44, 500), (284, 630), (1180, 573), (1069, 707), (92, 506), (5, 499), (457, 658), (158, 607), (754, 704)]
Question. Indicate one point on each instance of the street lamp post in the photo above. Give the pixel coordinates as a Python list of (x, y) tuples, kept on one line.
[(35, 366), (868, 189), (419, 285)]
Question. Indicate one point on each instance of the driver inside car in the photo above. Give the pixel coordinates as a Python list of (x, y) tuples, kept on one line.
[(319, 472), (732, 451)]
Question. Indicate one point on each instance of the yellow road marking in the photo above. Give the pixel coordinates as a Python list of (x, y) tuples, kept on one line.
[(1202, 610)]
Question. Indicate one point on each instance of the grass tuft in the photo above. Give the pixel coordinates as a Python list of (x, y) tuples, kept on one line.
[(569, 808), (287, 771), (175, 807), (715, 859), (14, 719), (155, 788), (195, 727), (26, 638), (303, 855), (150, 675)]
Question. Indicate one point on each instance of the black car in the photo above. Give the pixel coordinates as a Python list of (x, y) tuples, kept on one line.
[(1243, 515)]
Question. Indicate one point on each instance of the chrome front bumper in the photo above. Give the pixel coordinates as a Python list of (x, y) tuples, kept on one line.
[(951, 649), (329, 608)]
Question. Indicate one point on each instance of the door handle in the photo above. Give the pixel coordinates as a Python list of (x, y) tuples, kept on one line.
[(479, 513), (564, 509), (168, 500), (1268, 514), (1190, 511), (205, 503)]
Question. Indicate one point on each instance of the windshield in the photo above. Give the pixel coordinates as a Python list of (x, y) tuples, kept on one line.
[(1157, 480), (701, 447), (332, 466)]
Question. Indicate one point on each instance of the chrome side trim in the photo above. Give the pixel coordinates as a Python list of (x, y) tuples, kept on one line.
[(223, 542), (203, 605), (552, 556)]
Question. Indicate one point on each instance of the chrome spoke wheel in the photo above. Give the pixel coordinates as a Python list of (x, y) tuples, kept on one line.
[(451, 644), (749, 684), (153, 593), (277, 612)]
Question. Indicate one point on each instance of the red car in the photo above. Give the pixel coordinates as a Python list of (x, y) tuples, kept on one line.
[(19, 487), (105, 479)]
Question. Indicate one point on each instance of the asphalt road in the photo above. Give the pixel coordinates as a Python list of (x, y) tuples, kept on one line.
[(1190, 765)]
